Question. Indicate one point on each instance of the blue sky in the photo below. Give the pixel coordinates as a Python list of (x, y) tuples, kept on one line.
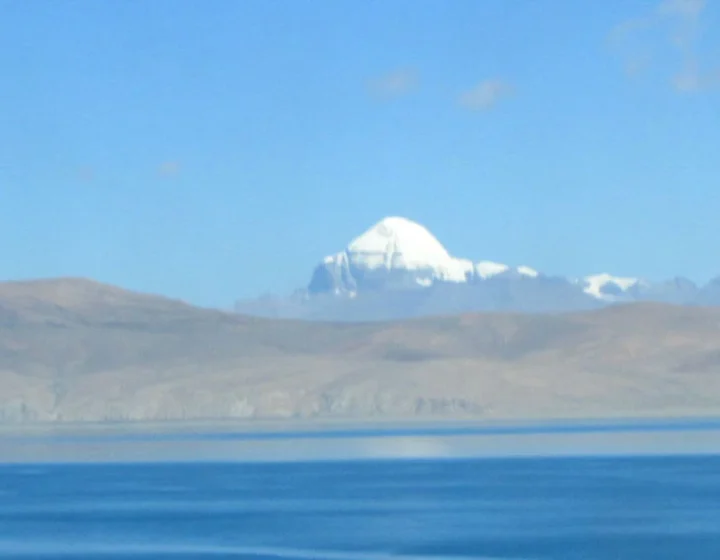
[(217, 150)]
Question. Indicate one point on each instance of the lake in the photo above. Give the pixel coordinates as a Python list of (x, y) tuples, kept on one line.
[(403, 497)]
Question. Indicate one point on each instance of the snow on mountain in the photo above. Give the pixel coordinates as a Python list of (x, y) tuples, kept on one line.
[(397, 269), (487, 269), (402, 251), (607, 287), (401, 244), (398, 243), (527, 271)]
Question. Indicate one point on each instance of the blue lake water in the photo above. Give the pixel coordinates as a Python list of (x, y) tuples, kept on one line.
[(590, 508)]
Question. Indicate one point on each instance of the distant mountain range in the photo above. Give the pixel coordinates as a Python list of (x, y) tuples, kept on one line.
[(397, 269)]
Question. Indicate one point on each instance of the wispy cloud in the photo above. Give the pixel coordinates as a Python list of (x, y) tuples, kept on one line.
[(395, 84), (683, 16), (686, 9), (629, 27), (486, 94), (637, 64), (169, 168), (86, 174), (678, 23), (691, 80)]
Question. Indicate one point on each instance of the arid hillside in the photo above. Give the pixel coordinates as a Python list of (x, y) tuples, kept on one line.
[(77, 350)]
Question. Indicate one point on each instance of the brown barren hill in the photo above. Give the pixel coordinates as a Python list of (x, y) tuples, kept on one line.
[(78, 350)]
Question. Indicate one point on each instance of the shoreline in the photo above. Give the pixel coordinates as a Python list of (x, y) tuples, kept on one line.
[(612, 437), (201, 427)]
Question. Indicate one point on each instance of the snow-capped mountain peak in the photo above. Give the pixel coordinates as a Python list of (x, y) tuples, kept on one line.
[(398, 243), (401, 253), (607, 287), (398, 269)]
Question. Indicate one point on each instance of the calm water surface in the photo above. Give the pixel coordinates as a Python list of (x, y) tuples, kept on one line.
[(649, 508)]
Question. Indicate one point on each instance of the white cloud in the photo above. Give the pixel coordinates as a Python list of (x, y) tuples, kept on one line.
[(690, 9), (395, 84), (691, 80), (86, 174), (684, 19), (679, 24), (169, 168), (486, 94), (637, 64)]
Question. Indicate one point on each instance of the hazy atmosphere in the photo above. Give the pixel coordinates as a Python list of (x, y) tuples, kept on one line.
[(360, 280), (214, 152), (309, 210)]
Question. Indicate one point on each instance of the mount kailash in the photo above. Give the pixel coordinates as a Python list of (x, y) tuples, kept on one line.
[(397, 269)]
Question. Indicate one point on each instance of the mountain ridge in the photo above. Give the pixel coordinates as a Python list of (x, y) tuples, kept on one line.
[(397, 269), (165, 360)]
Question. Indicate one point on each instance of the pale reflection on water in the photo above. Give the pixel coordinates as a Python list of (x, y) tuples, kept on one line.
[(136, 444)]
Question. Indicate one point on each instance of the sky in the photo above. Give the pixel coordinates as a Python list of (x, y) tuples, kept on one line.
[(216, 150)]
